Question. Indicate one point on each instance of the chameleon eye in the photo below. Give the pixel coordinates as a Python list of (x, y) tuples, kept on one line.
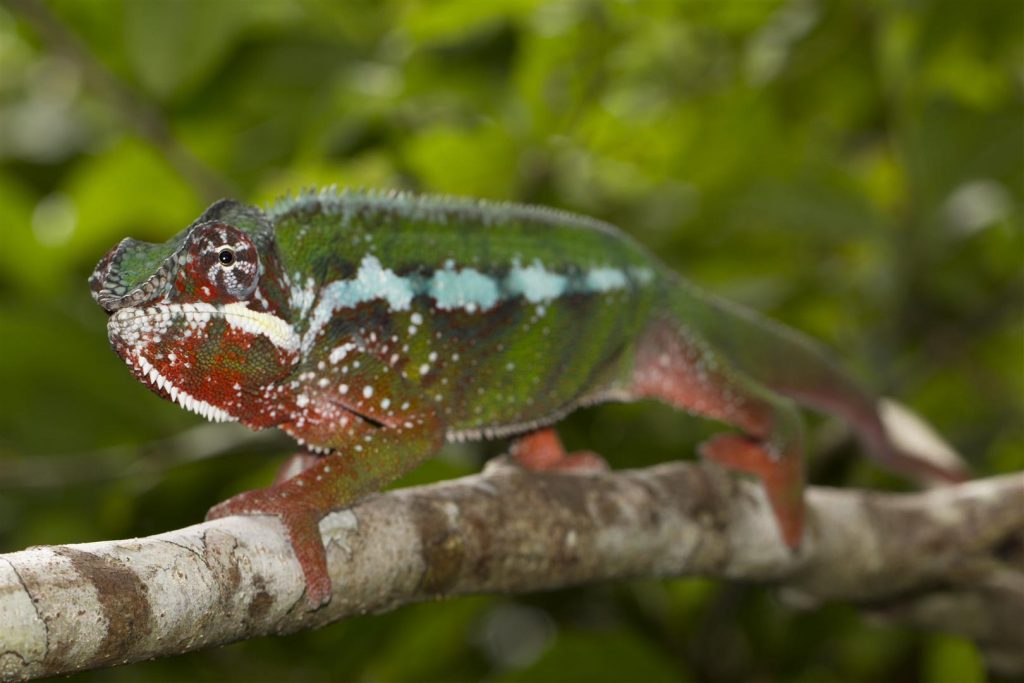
[(222, 258)]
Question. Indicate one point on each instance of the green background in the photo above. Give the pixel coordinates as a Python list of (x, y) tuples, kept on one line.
[(854, 169)]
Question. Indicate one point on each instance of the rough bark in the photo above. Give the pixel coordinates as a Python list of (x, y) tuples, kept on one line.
[(949, 559)]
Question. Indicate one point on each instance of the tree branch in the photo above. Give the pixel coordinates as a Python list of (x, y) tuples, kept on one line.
[(949, 559)]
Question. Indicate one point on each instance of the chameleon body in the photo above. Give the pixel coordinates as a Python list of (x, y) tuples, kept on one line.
[(375, 327)]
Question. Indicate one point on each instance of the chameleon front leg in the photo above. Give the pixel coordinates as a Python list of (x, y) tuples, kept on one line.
[(676, 367), (299, 462), (369, 455)]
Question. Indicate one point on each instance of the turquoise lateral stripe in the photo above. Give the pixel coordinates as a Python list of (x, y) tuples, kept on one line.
[(468, 289), (454, 288), (535, 283)]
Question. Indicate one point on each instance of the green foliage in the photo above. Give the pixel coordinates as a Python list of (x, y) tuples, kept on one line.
[(852, 168)]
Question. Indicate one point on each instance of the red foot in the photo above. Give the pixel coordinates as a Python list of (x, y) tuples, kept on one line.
[(302, 525), (542, 451), (782, 478)]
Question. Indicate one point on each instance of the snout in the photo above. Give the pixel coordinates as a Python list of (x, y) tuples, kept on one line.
[(106, 286), (133, 273), (101, 284)]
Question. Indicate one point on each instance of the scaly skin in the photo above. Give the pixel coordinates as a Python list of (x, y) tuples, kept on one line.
[(375, 327)]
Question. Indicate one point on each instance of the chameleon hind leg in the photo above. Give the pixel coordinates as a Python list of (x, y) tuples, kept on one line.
[(674, 367), (542, 451)]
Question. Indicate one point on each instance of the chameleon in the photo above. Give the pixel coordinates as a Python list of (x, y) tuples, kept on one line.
[(373, 327)]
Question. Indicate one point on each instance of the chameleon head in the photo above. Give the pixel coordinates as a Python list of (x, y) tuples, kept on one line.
[(195, 318)]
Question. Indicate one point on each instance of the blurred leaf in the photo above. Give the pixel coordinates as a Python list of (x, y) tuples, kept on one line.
[(474, 162), (951, 660), (129, 190), (175, 44), (598, 657), (53, 368), (432, 20), (428, 642)]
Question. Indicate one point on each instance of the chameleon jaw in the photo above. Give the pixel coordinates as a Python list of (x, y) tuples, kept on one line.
[(208, 358), (180, 396)]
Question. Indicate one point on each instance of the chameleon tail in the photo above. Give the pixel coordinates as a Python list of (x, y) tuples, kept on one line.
[(881, 433), (796, 366)]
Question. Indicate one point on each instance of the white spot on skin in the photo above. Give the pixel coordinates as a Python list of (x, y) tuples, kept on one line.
[(642, 275), (302, 400), (301, 298), (367, 391), (605, 279), (535, 282), (343, 389), (338, 353), (468, 289)]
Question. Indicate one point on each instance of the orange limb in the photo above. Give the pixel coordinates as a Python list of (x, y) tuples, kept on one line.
[(782, 478), (679, 369), (366, 456), (542, 451), (289, 501)]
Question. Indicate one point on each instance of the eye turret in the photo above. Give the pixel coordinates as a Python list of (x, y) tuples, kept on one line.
[(222, 264)]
